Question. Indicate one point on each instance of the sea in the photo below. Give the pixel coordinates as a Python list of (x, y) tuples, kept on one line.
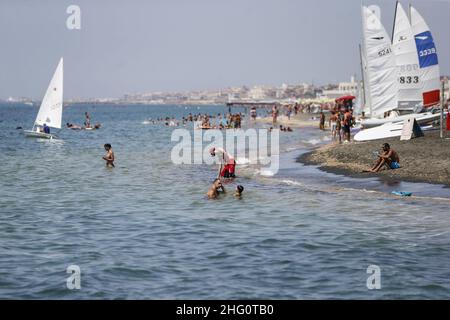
[(145, 230)]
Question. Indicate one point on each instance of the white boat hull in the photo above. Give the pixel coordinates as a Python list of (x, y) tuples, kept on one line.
[(35, 134), (388, 130), (421, 118)]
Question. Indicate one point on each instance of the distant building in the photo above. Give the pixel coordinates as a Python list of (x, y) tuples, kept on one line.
[(343, 89)]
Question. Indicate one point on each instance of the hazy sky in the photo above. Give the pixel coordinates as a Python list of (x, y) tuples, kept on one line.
[(168, 45)]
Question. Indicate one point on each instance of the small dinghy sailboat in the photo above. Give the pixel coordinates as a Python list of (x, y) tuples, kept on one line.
[(50, 111)]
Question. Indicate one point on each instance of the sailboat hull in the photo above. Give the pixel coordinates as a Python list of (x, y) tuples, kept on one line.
[(422, 119), (35, 134)]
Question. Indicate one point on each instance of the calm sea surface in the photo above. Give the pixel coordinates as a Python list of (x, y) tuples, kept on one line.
[(144, 229)]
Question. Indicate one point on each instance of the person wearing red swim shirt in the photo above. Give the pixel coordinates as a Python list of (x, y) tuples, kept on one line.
[(228, 164)]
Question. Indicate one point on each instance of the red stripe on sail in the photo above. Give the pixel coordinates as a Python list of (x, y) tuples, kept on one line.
[(431, 98)]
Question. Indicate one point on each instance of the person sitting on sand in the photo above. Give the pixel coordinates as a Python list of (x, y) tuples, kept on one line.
[(388, 157), (109, 156), (215, 188), (289, 129), (227, 161), (238, 192)]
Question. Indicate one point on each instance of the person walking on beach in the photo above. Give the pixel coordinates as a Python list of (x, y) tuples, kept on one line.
[(109, 156), (338, 126), (348, 123), (332, 123), (388, 157)]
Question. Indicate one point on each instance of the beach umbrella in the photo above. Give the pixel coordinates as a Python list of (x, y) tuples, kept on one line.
[(344, 98)]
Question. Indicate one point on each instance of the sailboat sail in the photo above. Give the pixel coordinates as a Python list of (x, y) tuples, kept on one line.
[(50, 111), (408, 75), (428, 60), (381, 74)]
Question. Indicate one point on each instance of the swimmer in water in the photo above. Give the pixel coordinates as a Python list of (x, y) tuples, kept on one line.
[(238, 192), (109, 156), (215, 188)]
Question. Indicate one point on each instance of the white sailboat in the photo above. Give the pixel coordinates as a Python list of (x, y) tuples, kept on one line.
[(428, 60), (379, 64), (404, 47), (50, 111), (418, 75)]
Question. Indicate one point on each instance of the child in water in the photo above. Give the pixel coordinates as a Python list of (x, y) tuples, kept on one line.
[(239, 190)]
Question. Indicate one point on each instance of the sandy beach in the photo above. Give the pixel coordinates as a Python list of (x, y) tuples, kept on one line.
[(296, 121), (424, 159)]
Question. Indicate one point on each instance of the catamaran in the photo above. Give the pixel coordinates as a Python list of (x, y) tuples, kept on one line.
[(50, 111), (417, 73)]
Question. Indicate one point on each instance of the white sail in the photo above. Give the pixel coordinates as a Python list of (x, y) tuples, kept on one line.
[(50, 111), (428, 60), (408, 75), (381, 68)]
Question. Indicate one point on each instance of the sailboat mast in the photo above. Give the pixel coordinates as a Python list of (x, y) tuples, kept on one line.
[(393, 25), (368, 97), (362, 75)]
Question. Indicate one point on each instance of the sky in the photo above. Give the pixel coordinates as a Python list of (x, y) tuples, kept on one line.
[(179, 45)]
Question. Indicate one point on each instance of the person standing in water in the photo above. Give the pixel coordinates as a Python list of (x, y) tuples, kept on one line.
[(227, 165), (322, 121), (109, 156), (274, 114), (87, 122)]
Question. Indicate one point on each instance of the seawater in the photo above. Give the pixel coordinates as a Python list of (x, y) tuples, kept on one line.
[(144, 230)]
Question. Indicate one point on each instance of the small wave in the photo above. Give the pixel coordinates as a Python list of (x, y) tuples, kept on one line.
[(292, 182), (266, 173), (242, 161)]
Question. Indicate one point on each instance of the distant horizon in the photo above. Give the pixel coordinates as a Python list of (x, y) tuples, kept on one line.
[(173, 46)]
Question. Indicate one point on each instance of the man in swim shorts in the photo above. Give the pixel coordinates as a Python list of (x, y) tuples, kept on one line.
[(227, 162), (388, 157)]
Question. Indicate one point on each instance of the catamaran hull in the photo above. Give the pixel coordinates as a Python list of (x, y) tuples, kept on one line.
[(388, 130), (41, 135), (421, 118)]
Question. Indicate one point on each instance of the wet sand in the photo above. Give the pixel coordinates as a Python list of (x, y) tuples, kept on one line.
[(424, 159)]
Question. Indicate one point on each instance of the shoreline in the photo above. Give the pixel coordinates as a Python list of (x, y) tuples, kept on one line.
[(297, 121), (423, 160)]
